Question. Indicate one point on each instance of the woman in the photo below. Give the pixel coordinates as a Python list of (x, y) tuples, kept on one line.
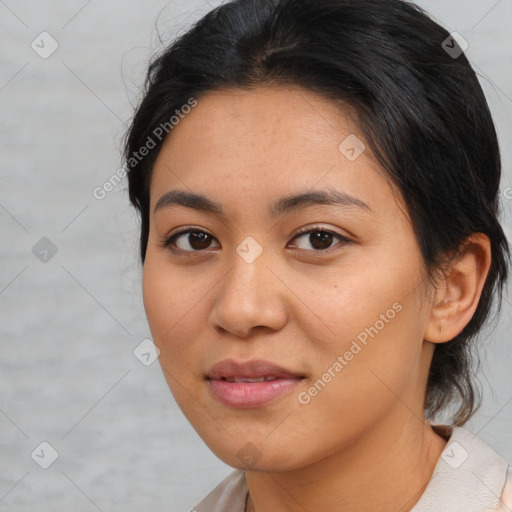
[(318, 189)]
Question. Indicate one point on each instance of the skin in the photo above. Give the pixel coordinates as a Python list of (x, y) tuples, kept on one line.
[(298, 306)]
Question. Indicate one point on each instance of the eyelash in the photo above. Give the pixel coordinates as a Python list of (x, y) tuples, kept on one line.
[(169, 241)]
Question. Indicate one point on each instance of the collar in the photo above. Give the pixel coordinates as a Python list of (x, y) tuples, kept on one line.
[(468, 477)]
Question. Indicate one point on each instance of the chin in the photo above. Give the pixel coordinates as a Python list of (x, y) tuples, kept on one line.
[(256, 453)]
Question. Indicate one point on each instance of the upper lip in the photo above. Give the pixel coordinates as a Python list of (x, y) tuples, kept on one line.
[(249, 369)]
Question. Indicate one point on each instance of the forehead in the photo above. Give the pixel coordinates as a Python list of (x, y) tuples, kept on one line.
[(243, 117), (270, 141)]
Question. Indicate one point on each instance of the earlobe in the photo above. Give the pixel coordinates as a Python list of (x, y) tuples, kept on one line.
[(456, 298)]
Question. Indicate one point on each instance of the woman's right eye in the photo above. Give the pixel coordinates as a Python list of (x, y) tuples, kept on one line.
[(190, 240)]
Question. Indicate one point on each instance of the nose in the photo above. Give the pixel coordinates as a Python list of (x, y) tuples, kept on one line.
[(250, 296)]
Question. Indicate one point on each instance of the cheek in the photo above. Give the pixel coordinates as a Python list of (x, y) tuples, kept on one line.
[(173, 308), (366, 316), (370, 355), (361, 300), (173, 304)]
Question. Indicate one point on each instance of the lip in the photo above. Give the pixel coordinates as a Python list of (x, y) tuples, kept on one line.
[(226, 382)]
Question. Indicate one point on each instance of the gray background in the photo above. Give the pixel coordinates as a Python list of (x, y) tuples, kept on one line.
[(69, 325)]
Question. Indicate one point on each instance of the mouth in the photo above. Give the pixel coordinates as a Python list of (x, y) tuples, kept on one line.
[(250, 384)]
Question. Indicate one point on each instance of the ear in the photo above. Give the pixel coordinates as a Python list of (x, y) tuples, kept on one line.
[(457, 295)]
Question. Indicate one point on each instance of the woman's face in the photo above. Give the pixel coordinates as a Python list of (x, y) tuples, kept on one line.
[(283, 347)]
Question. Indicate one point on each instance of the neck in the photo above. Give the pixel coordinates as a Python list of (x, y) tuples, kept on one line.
[(386, 470)]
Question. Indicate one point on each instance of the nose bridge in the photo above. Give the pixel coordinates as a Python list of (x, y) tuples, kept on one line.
[(250, 294)]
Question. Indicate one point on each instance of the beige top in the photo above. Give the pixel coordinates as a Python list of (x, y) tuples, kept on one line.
[(468, 477)]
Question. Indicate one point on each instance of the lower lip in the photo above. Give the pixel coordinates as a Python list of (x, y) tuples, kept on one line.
[(251, 394)]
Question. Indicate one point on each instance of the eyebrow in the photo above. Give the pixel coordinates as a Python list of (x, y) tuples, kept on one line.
[(282, 206)]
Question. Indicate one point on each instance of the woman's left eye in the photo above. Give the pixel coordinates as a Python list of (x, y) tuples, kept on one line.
[(319, 239)]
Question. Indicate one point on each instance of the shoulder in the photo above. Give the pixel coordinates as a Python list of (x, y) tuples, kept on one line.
[(230, 494)]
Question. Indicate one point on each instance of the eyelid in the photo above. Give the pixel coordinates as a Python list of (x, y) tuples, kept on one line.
[(184, 229), (317, 227)]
